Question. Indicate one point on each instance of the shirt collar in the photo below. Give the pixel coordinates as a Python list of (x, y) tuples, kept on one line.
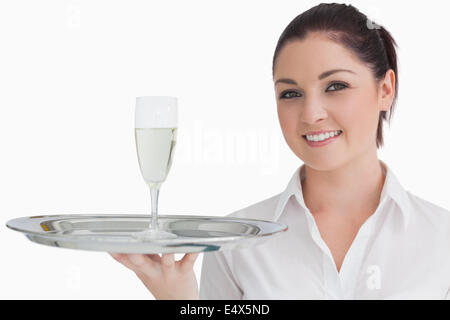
[(391, 189)]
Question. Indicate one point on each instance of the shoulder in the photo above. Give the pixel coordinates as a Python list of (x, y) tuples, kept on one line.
[(264, 209), (428, 213)]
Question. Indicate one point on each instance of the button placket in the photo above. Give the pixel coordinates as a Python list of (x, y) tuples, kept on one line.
[(351, 266), (351, 269), (332, 285), (343, 281)]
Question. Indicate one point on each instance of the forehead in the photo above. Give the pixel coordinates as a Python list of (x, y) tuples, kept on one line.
[(313, 55)]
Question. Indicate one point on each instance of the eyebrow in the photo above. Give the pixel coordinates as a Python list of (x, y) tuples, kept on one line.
[(321, 76)]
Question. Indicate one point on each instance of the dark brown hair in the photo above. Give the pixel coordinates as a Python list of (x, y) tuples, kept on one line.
[(346, 25)]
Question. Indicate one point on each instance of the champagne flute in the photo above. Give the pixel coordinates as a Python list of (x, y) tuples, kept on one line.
[(155, 133)]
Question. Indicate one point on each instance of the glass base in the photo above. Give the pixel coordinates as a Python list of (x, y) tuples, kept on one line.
[(153, 234)]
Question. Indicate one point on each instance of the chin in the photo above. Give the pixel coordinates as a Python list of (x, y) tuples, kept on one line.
[(322, 164)]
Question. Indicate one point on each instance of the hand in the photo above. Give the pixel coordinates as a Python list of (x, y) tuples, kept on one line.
[(164, 277)]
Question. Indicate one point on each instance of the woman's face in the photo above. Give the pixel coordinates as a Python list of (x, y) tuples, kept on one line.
[(347, 101)]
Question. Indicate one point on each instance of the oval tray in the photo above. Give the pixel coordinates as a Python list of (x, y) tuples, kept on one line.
[(113, 232)]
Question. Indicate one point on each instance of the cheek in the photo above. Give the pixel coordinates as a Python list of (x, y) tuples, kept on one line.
[(288, 120), (360, 118)]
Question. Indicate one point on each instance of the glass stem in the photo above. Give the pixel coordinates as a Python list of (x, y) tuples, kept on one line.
[(154, 192)]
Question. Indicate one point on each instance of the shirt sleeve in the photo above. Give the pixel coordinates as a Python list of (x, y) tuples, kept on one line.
[(217, 281)]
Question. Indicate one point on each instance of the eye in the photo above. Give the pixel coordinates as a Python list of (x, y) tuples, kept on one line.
[(337, 85), (341, 85), (286, 94)]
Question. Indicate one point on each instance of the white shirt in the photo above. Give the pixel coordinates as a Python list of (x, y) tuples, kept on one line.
[(402, 251)]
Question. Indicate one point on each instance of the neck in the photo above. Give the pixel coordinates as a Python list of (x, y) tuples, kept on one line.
[(353, 188)]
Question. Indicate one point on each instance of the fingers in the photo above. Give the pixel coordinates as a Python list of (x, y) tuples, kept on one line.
[(140, 260), (139, 263), (167, 261), (188, 260), (122, 258), (155, 257), (145, 263)]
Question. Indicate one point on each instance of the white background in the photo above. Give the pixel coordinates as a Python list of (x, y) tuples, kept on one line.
[(69, 74)]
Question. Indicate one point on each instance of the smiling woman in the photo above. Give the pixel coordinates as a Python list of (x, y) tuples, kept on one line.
[(371, 45), (354, 231)]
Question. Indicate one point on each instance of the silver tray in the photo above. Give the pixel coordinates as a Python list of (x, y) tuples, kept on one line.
[(113, 232)]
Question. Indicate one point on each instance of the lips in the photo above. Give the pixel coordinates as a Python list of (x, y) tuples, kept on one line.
[(321, 132), (323, 142)]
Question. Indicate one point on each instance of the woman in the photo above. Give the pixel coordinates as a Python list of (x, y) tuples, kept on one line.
[(354, 232)]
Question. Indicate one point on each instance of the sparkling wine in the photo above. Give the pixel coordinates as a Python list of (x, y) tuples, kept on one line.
[(155, 132), (155, 148)]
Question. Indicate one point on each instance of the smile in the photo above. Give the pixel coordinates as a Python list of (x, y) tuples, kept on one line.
[(323, 142)]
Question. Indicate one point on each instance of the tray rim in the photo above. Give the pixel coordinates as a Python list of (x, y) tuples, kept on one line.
[(53, 236)]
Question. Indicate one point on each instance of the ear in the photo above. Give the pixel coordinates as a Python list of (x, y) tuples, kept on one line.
[(387, 91)]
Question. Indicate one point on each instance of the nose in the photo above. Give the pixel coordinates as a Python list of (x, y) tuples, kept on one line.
[(313, 111)]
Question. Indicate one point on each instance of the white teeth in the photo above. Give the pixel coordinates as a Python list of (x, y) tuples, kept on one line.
[(322, 136)]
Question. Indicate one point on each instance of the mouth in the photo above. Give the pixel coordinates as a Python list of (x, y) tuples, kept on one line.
[(312, 142), (340, 132)]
